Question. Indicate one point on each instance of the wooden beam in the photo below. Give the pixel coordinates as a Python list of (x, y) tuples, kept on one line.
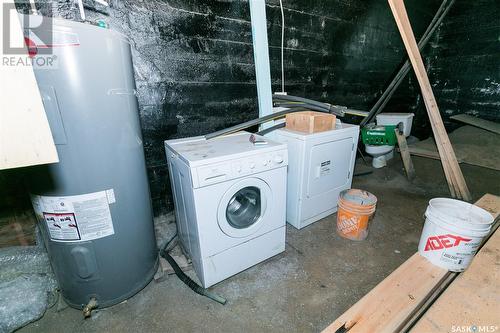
[(478, 122), (454, 176), (392, 300), (387, 306)]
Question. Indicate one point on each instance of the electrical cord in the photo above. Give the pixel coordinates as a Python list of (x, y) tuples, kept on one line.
[(186, 279)]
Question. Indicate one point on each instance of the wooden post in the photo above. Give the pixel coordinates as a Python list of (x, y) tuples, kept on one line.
[(405, 155), (454, 176)]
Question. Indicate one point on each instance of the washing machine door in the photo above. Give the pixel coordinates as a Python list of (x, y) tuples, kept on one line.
[(242, 209)]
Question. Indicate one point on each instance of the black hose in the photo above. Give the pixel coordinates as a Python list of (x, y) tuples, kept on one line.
[(341, 111), (311, 107), (165, 247), (337, 110), (364, 173), (304, 105), (272, 128), (186, 279), (252, 122), (311, 104), (301, 100), (291, 107), (405, 68)]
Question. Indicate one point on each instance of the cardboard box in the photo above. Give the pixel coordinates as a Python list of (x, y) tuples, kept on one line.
[(310, 121)]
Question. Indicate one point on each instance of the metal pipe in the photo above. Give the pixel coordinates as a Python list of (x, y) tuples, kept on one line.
[(396, 81), (355, 112), (407, 63), (91, 305), (34, 11), (81, 9), (261, 56)]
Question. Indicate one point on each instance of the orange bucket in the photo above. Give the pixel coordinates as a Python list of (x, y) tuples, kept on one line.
[(356, 208)]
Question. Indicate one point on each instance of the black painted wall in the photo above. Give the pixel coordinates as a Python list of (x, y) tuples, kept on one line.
[(465, 61), (194, 62)]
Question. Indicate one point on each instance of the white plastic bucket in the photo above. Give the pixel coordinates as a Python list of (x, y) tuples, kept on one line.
[(452, 233)]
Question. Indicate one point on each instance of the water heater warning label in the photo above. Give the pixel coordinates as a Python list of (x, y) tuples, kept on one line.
[(62, 226), (75, 218)]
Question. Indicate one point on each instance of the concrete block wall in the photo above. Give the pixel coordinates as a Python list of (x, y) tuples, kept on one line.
[(194, 66)]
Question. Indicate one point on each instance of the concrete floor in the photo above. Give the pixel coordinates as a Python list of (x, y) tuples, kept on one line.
[(316, 279)]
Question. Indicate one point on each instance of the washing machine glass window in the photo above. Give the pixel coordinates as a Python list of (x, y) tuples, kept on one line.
[(243, 209)]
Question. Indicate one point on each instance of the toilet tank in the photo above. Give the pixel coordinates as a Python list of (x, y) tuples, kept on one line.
[(395, 119)]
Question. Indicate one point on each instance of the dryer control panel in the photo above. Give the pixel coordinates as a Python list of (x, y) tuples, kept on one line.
[(232, 169)]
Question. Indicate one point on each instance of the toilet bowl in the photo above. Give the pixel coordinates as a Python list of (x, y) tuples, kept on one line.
[(380, 154)]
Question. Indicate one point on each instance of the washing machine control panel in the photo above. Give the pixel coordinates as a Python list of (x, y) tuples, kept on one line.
[(245, 166)]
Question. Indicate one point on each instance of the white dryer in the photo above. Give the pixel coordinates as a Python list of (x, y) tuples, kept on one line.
[(321, 166), (230, 201)]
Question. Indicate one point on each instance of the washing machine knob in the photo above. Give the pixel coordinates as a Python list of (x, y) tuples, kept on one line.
[(278, 159), (252, 165), (264, 162)]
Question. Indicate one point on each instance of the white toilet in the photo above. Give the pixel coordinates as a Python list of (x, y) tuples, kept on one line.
[(382, 153)]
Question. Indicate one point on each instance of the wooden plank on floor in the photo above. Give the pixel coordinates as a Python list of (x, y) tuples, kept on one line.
[(473, 146), (392, 300), (491, 203), (478, 122), (390, 303), (473, 299), (426, 153)]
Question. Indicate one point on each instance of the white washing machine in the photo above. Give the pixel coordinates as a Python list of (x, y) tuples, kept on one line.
[(230, 201)]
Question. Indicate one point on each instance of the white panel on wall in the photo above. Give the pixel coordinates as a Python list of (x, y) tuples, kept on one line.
[(25, 137)]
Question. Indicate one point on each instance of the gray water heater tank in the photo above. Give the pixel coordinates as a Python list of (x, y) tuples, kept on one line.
[(94, 206)]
